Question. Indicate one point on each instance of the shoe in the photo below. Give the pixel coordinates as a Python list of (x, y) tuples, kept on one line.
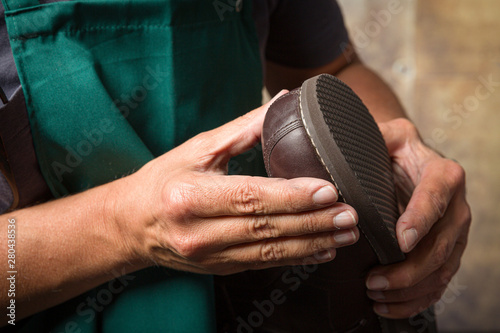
[(324, 130)]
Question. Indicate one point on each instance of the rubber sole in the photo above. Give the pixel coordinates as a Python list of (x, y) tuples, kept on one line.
[(364, 181)]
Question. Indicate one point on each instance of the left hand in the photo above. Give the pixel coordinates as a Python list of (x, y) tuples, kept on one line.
[(432, 230)]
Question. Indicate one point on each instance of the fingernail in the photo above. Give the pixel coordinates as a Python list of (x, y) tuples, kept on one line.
[(344, 220), (324, 255), (325, 195), (376, 295), (377, 282), (345, 237), (410, 237), (381, 308)]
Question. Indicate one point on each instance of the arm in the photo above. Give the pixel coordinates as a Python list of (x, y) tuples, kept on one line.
[(374, 92), (64, 248), (434, 226), (181, 211)]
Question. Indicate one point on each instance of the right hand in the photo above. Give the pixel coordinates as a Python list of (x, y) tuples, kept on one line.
[(183, 211)]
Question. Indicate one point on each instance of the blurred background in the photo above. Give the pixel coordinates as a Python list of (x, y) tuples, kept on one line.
[(443, 60)]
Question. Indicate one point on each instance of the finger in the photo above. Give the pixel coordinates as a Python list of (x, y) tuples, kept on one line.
[(215, 195), (290, 250), (440, 181), (429, 255), (217, 146), (432, 284), (406, 309), (245, 229), (397, 133), (303, 250)]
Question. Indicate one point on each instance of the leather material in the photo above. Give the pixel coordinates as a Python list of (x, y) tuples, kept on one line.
[(329, 297), (286, 131)]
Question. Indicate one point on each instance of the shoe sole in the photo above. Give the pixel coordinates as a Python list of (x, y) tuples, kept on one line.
[(349, 144)]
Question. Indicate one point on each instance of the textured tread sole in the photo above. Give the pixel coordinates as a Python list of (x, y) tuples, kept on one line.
[(347, 141)]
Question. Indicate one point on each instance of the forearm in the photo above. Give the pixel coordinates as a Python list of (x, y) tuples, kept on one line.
[(64, 248), (373, 91)]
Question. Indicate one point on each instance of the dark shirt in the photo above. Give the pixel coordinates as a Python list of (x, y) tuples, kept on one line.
[(296, 33)]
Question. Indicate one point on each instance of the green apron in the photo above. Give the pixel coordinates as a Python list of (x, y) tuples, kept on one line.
[(111, 84)]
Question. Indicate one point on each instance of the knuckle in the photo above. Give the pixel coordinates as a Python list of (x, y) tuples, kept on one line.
[(408, 127), (262, 227), (288, 197), (246, 198), (465, 216), (317, 245), (187, 246), (200, 140), (442, 252), (203, 148), (445, 274), (438, 201), (179, 198), (455, 172), (272, 252), (310, 224)]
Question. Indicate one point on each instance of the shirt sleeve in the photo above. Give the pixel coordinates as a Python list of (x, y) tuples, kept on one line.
[(305, 33)]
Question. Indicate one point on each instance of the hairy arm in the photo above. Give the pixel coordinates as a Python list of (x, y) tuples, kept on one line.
[(64, 248)]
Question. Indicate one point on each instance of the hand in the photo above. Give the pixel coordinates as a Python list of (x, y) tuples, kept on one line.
[(182, 211), (432, 230)]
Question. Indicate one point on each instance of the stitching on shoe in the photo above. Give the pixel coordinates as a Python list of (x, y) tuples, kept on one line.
[(316, 149), (267, 156), (276, 137)]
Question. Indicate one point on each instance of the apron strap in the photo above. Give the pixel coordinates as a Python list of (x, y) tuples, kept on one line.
[(19, 4)]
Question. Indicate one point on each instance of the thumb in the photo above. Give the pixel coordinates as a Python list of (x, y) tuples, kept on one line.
[(233, 138)]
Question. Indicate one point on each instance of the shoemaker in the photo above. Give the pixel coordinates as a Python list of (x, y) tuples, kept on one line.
[(118, 123)]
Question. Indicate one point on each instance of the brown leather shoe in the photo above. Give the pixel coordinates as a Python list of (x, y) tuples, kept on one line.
[(323, 130)]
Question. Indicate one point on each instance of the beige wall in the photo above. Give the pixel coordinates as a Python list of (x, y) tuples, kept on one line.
[(435, 54)]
